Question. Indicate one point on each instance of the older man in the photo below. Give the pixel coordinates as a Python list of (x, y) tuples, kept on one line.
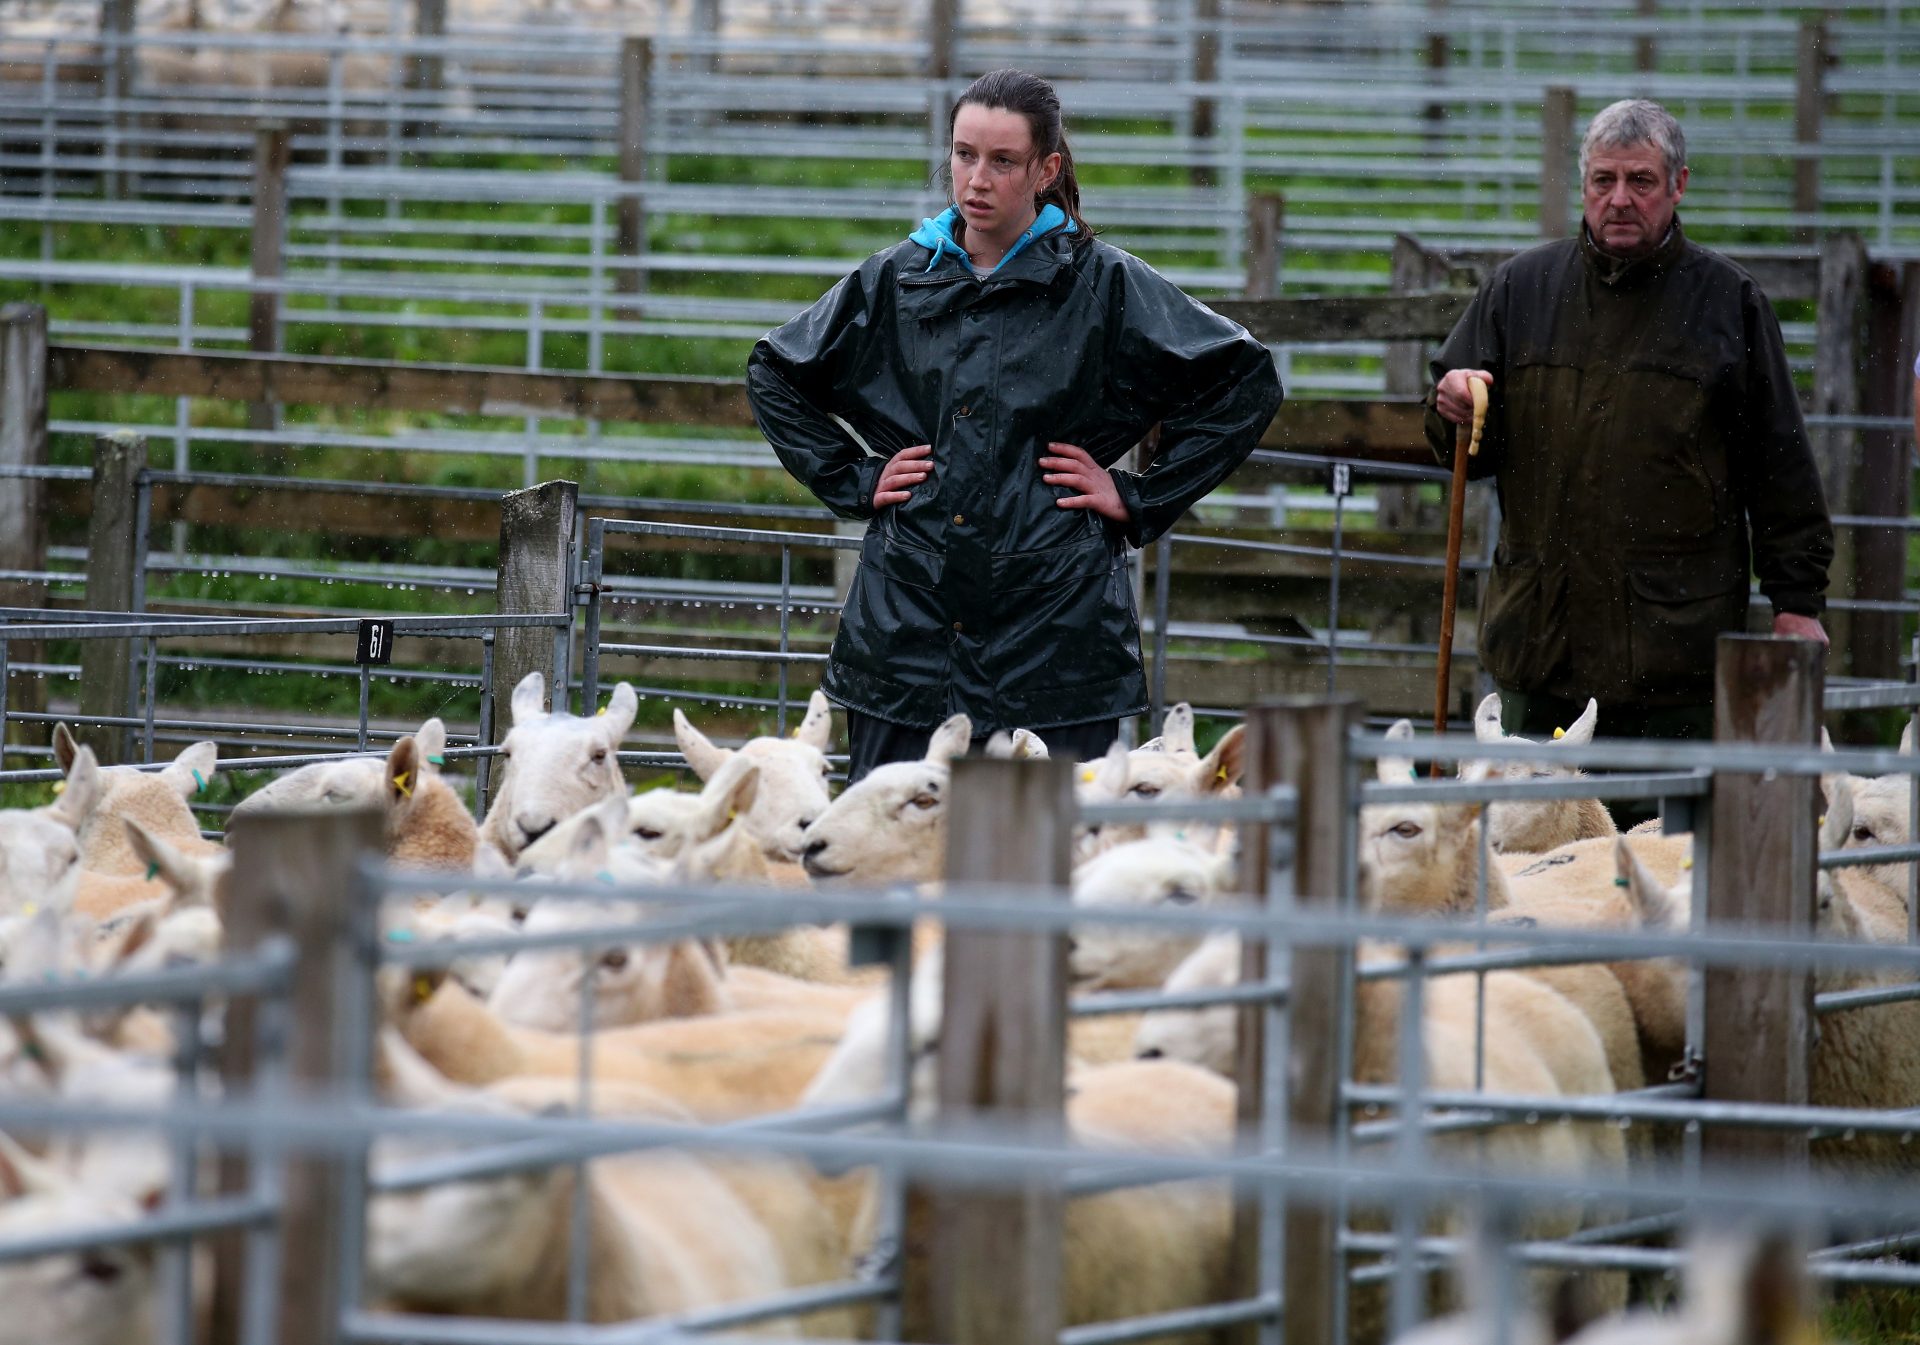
[(1648, 449)]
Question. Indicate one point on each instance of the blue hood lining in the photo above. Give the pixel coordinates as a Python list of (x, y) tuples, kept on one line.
[(937, 234)]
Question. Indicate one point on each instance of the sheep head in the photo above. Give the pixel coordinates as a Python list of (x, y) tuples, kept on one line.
[(553, 764), (40, 847), (1423, 858), (1539, 826), (1158, 771), (793, 775), (158, 799), (1206, 1037), (625, 982), (1155, 874), (891, 826), (100, 1296)]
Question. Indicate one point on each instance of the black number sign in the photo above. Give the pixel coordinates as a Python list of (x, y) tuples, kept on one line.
[(376, 643)]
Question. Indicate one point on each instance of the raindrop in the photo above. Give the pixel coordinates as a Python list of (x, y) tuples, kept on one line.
[(1533, 1118)]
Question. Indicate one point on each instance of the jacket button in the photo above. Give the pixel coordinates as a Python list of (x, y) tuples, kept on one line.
[(963, 412), (956, 625), (959, 520)]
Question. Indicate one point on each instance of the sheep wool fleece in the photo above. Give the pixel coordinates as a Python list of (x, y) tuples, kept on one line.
[(978, 594), (1642, 420)]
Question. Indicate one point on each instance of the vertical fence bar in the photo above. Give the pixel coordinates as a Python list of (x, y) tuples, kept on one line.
[(23, 500), (1162, 609), (1759, 1020), (1556, 162), (1206, 74), (1439, 57), (786, 613), (994, 1258), (271, 156), (1303, 743), (590, 640), (366, 680), (146, 752), (1266, 217), (943, 34), (535, 575), (483, 768), (636, 69), (106, 677), (426, 67), (299, 873), (182, 1177), (1839, 361), (1412, 268), (117, 20), (1809, 117)]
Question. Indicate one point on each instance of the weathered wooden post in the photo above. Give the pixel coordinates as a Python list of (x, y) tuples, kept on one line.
[(636, 70), (1439, 56), (426, 70), (1413, 268), (1303, 743), (1759, 1021), (272, 154), (1556, 161), (1838, 357), (536, 575), (943, 34), (1809, 115), (1206, 73), (294, 875), (1646, 48), (1892, 333), (993, 1262), (23, 500), (106, 666), (1266, 217), (117, 22)]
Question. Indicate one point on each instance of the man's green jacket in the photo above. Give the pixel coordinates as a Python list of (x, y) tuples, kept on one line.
[(1649, 454)]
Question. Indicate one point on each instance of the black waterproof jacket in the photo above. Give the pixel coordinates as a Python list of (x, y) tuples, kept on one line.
[(1649, 451), (979, 594)]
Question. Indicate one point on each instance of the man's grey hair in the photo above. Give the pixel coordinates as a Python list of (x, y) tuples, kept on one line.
[(1637, 121)]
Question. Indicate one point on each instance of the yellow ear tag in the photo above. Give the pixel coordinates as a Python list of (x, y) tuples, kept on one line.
[(1558, 734), (32, 908), (1823, 820), (400, 783), (602, 710), (1687, 863), (1086, 776), (795, 733), (422, 990), (59, 788), (732, 813), (1221, 775)]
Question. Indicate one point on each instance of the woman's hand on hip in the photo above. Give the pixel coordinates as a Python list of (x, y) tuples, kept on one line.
[(1072, 466), (904, 470)]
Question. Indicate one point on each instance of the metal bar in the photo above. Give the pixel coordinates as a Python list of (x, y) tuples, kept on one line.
[(1213, 1316), (1149, 1001), (786, 614), (1162, 601)]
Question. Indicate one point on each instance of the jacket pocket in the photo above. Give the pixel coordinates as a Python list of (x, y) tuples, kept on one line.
[(1677, 610), (1066, 618), (1669, 492), (1524, 639), (894, 624)]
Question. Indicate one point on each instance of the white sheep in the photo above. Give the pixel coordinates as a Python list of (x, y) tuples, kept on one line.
[(793, 775), (1424, 858), (40, 847), (1165, 769), (427, 823), (626, 982), (1206, 1037), (1880, 817), (892, 825), (1158, 873), (1534, 827), (155, 799), (102, 1295), (669, 1232), (553, 764), (1739, 1290)]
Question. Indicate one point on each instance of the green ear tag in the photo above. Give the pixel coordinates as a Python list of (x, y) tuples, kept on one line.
[(199, 783), (1619, 882), (153, 871), (1413, 773), (399, 936), (438, 760)]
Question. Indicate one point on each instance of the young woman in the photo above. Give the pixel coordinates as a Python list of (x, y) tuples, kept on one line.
[(995, 363)]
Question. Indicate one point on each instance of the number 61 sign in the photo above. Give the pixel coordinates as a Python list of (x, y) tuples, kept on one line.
[(376, 642)]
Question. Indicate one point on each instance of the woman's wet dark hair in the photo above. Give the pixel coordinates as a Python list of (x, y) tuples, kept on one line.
[(1033, 98)]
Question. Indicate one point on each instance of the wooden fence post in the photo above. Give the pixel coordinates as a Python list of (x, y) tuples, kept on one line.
[(427, 70), (536, 575), (943, 35), (1439, 56), (1413, 268), (1839, 354), (1646, 48), (23, 500), (993, 1262), (106, 665), (296, 875), (1892, 332), (636, 71), (1759, 1021), (1556, 161), (117, 24), (1206, 71), (1303, 743), (1809, 113), (1266, 217), (271, 155)]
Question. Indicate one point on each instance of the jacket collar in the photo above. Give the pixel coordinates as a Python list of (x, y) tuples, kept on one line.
[(936, 235), (1618, 271)]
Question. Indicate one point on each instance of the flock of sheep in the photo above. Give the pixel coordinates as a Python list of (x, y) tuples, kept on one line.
[(114, 876)]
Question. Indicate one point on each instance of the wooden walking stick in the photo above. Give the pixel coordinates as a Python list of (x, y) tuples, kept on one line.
[(1466, 444)]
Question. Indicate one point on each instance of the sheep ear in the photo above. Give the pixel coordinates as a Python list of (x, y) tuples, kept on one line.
[(192, 770), (816, 730), (1906, 739), (1396, 770), (21, 1174), (1845, 915), (401, 783), (1221, 769), (166, 863), (529, 699), (1176, 730), (1473, 772), (1826, 739), (1000, 746), (1486, 720), (697, 748), (1110, 776), (728, 795), (137, 934), (590, 843), (1648, 894), (950, 740), (1837, 825), (431, 739), (85, 787), (1029, 746), (64, 746), (1580, 732), (622, 706)]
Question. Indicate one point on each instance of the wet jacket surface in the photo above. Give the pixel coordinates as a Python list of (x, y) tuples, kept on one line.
[(1649, 454), (979, 594)]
